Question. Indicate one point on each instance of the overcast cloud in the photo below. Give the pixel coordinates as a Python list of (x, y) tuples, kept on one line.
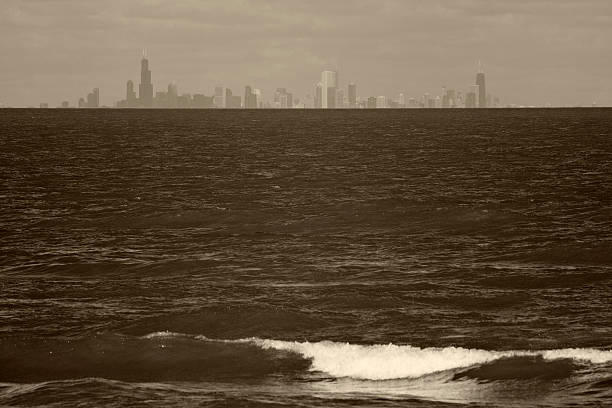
[(534, 51)]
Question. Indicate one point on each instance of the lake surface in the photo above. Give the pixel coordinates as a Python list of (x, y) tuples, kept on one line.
[(306, 258)]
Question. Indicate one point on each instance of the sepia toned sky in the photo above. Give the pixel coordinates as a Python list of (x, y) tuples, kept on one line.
[(533, 51)]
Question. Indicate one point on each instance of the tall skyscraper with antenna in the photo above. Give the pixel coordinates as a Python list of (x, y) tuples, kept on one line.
[(145, 90), (482, 92)]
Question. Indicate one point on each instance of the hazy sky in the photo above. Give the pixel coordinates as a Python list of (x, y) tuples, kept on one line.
[(533, 51)]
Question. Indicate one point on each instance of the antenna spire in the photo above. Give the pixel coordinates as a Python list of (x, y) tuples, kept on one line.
[(480, 71)]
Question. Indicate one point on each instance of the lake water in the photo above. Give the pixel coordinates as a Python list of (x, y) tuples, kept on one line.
[(306, 258)]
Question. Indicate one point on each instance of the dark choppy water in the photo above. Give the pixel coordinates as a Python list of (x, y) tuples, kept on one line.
[(306, 258)]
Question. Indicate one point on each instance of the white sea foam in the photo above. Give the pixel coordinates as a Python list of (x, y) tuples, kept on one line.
[(162, 334), (594, 356), (384, 362), (390, 361)]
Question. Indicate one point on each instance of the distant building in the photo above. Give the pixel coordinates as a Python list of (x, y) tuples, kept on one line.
[(258, 97), (82, 103), (44, 105), (201, 101), (445, 98), (236, 102), (183, 101), (318, 99), (283, 99), (352, 95), (340, 98), (371, 103), (459, 100), (172, 96), (482, 93), (451, 98), (250, 99), (65, 104), (471, 98), (329, 81), (93, 98), (145, 90), (219, 98), (401, 101), (130, 95), (437, 102), (381, 102), (160, 100), (233, 101), (228, 98)]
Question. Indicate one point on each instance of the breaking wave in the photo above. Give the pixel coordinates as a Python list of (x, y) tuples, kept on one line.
[(390, 361), (171, 356)]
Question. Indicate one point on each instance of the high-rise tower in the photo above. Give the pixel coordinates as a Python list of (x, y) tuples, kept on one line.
[(250, 99), (130, 94), (93, 98), (318, 97), (482, 92), (145, 90), (219, 98), (352, 95), (329, 80)]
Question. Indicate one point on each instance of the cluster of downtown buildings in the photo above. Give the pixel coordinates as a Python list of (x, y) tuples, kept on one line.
[(327, 95)]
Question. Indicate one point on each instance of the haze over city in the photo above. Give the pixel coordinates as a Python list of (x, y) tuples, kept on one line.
[(539, 52)]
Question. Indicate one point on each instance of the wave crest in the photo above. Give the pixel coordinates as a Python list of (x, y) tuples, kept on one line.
[(390, 361), (381, 362)]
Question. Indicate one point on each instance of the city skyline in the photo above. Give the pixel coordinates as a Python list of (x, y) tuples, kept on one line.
[(536, 52), (328, 93)]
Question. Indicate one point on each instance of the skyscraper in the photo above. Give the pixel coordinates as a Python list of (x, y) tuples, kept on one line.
[(145, 90), (452, 98), (250, 99), (232, 101), (482, 93), (437, 102), (471, 98), (339, 98), (130, 94), (172, 96), (352, 95), (219, 98), (283, 99), (93, 98), (318, 100), (329, 80), (202, 101), (258, 97), (445, 98)]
